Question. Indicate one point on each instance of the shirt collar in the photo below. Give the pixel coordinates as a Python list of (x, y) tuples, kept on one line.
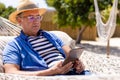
[(25, 37)]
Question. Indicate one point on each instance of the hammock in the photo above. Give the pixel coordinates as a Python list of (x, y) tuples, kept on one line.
[(106, 30), (7, 28)]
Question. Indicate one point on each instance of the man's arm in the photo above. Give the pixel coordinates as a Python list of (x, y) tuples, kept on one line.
[(15, 69), (57, 69), (66, 49)]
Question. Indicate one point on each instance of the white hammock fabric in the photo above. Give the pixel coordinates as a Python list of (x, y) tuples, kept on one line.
[(106, 30), (7, 28)]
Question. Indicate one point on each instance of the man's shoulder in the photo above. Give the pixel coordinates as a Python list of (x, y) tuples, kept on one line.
[(48, 33)]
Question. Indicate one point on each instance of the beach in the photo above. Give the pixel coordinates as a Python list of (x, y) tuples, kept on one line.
[(95, 57)]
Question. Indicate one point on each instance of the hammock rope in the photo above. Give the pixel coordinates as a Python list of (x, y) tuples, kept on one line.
[(7, 28), (106, 30)]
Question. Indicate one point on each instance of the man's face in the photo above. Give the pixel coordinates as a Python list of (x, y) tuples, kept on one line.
[(30, 22)]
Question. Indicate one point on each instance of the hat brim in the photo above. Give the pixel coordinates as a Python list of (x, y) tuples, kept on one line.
[(12, 16)]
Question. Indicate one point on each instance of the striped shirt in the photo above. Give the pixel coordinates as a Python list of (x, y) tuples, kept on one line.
[(46, 49)]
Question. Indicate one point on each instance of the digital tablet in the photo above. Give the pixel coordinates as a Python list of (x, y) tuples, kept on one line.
[(73, 55)]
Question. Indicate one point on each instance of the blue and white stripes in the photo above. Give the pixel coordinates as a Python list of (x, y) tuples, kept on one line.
[(46, 49)]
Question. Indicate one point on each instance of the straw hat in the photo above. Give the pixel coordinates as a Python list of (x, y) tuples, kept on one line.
[(25, 5)]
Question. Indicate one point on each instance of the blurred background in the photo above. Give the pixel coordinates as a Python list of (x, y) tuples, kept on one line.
[(75, 17)]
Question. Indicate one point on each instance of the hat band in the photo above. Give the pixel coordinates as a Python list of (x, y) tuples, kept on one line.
[(31, 6)]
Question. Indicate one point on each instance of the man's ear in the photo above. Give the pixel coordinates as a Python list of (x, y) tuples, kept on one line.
[(19, 20)]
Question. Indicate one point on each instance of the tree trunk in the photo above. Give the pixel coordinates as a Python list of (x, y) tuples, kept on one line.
[(79, 37)]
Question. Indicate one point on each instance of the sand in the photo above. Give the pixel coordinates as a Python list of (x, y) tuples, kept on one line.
[(95, 58)]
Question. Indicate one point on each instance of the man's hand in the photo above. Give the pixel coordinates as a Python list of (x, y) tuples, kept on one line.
[(79, 66), (59, 69)]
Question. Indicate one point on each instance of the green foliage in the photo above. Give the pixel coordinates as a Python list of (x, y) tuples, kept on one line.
[(118, 18), (79, 12), (2, 8), (5, 12), (118, 4), (74, 12), (105, 10), (50, 2)]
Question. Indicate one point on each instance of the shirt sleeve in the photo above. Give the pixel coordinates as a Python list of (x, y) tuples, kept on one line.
[(11, 54)]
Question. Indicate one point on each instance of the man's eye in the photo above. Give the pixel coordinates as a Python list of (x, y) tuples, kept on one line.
[(30, 17)]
